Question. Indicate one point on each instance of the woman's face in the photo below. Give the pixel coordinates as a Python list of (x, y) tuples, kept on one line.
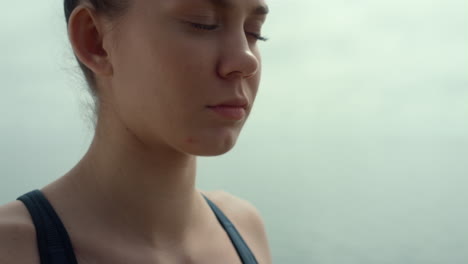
[(166, 71)]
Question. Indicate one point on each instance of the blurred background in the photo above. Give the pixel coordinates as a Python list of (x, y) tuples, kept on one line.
[(356, 150)]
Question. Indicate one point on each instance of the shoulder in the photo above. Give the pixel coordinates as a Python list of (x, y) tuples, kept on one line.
[(247, 220), (17, 235)]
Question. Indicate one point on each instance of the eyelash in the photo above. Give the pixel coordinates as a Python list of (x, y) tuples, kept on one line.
[(213, 27)]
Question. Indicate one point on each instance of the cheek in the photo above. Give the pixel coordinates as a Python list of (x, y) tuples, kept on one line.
[(253, 84), (183, 77)]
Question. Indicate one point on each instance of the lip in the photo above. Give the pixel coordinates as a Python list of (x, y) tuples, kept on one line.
[(235, 113), (233, 109), (238, 102)]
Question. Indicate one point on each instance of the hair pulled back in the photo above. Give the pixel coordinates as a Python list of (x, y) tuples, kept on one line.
[(112, 10)]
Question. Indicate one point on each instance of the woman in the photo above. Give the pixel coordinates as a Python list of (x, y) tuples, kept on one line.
[(172, 80)]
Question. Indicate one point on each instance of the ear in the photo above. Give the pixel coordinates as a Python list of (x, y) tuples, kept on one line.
[(86, 36)]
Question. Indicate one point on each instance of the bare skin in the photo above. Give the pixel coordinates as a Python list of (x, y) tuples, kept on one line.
[(91, 239), (132, 198)]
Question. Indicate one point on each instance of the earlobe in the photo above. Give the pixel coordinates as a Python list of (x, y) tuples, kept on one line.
[(86, 38)]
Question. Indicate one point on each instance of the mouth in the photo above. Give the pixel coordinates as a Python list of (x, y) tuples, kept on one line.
[(236, 102), (233, 109), (229, 112)]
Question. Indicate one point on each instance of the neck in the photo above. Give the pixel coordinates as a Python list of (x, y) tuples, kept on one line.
[(146, 194)]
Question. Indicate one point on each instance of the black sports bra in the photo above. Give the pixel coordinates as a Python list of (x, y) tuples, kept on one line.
[(55, 246)]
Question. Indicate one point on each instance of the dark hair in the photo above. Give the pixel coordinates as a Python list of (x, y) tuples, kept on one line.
[(110, 9)]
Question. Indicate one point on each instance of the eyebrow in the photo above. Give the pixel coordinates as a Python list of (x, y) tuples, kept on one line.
[(229, 4)]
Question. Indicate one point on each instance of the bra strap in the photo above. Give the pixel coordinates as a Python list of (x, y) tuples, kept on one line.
[(52, 238)]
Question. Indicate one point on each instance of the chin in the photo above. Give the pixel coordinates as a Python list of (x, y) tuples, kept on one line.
[(211, 153), (209, 148)]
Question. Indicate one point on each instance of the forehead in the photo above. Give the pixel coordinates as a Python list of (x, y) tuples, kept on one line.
[(252, 7)]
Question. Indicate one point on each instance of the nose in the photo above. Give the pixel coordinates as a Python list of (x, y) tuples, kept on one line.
[(237, 59)]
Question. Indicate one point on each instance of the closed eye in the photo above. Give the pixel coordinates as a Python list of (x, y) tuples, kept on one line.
[(204, 27), (213, 27)]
